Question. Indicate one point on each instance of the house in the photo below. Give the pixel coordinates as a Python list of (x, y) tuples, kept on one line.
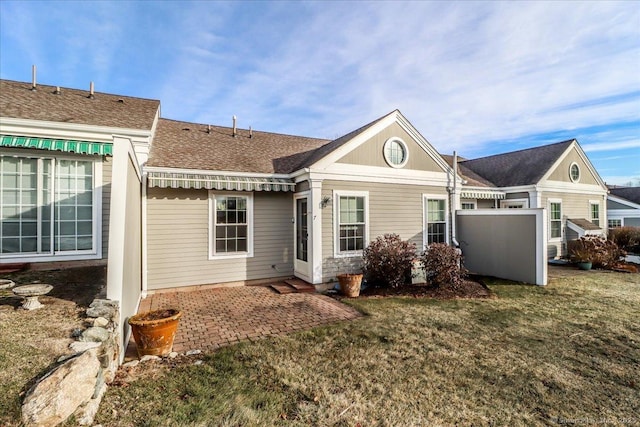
[(229, 205), (558, 177), (623, 207), (90, 177)]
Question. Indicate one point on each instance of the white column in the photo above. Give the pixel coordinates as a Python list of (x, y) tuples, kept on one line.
[(315, 254)]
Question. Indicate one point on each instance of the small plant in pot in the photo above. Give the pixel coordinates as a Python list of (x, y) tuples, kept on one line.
[(581, 252), (154, 331), (351, 281)]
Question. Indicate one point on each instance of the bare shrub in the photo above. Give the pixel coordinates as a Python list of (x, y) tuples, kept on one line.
[(442, 265), (628, 238), (601, 252), (387, 261)]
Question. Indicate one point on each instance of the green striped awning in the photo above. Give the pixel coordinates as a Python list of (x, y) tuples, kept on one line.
[(482, 194), (218, 182), (66, 145)]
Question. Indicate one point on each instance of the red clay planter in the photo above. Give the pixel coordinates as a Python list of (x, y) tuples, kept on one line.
[(350, 284), (154, 331)]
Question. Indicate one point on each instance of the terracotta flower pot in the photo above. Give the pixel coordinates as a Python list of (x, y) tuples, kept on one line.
[(350, 284), (153, 331)]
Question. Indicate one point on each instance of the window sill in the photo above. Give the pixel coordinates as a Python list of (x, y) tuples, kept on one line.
[(352, 254), (231, 256)]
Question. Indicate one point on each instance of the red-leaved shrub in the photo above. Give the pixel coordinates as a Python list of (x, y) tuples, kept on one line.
[(387, 261), (601, 252), (442, 265)]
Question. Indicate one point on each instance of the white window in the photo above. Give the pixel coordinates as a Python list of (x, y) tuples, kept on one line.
[(574, 172), (514, 204), (468, 205), (232, 225), (49, 207), (615, 223), (594, 211), (555, 219), (396, 152), (351, 222), (435, 215)]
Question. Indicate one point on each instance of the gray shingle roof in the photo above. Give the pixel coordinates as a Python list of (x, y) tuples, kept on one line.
[(631, 194), (584, 224), (472, 178), (524, 167), (186, 145), (17, 100)]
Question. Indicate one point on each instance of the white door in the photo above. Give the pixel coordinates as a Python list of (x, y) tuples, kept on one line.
[(301, 243)]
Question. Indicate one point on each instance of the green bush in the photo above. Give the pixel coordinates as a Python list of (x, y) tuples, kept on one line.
[(628, 238), (442, 265), (601, 252), (387, 261)]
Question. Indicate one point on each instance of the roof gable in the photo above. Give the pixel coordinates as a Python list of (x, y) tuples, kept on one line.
[(341, 148), (517, 168), (18, 101)]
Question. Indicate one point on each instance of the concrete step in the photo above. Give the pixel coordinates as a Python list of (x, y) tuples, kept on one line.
[(283, 288), (301, 285)]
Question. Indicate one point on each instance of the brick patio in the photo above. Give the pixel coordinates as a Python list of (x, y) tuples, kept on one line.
[(213, 318)]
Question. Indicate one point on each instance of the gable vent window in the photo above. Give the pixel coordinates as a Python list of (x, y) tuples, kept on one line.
[(574, 172), (395, 152)]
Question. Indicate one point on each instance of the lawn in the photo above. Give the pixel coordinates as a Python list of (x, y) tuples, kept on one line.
[(568, 353)]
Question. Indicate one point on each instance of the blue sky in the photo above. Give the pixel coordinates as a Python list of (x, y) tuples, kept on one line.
[(477, 77)]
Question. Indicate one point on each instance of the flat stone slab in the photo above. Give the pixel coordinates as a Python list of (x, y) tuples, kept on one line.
[(6, 284)]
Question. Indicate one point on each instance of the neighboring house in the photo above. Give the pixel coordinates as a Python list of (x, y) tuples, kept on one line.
[(558, 177), (623, 207), (56, 150)]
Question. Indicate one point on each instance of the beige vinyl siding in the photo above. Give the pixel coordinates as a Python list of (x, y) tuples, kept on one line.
[(370, 152), (392, 209), (521, 195), (487, 203), (107, 163), (178, 240), (575, 206), (561, 173)]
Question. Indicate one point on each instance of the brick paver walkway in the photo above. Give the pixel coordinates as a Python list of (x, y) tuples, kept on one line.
[(217, 317)]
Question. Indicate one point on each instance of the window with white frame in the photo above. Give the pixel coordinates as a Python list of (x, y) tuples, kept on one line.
[(396, 152), (555, 219), (468, 205), (351, 222), (435, 220), (614, 223), (232, 228), (48, 207), (594, 209)]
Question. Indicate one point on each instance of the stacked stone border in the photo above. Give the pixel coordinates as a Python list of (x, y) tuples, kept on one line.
[(76, 384)]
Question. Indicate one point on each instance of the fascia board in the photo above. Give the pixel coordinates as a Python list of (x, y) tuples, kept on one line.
[(39, 128)]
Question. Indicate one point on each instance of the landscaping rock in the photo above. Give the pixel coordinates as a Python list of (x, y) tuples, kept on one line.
[(131, 364), (148, 357), (193, 352), (94, 334), (79, 346), (101, 322), (105, 311), (57, 395), (173, 355)]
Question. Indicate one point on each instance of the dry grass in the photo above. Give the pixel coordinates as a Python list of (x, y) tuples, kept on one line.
[(30, 341), (569, 352)]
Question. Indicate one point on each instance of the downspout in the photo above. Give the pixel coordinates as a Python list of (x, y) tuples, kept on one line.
[(453, 201)]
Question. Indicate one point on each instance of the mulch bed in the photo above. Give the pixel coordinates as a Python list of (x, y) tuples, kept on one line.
[(469, 289), (80, 284)]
